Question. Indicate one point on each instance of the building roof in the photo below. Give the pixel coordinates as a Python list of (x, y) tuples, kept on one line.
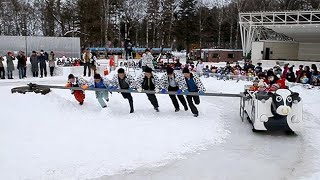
[(226, 50), (302, 26)]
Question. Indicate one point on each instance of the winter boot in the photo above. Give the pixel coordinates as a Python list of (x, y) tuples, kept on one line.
[(131, 107)]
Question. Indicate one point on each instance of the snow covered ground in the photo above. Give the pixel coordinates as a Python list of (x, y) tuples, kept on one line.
[(52, 137)]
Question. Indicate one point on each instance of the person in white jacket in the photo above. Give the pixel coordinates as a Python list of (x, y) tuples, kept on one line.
[(200, 67), (147, 60)]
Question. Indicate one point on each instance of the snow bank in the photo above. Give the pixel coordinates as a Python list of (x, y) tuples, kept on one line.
[(52, 137)]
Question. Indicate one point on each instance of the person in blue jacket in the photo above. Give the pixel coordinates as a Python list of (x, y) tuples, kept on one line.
[(193, 84), (102, 83)]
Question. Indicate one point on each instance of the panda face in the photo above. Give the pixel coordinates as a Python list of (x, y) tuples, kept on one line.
[(282, 101)]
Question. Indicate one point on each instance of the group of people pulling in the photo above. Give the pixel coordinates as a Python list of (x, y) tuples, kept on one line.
[(173, 81)]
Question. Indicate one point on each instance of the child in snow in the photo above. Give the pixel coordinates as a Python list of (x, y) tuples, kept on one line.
[(77, 82), (102, 83)]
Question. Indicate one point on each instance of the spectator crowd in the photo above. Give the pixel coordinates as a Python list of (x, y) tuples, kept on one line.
[(39, 62)]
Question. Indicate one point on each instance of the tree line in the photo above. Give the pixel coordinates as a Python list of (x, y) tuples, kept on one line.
[(180, 24)]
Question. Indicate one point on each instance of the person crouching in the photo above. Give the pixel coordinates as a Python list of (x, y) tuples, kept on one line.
[(194, 84), (101, 83), (174, 82), (151, 82), (124, 81), (77, 82)]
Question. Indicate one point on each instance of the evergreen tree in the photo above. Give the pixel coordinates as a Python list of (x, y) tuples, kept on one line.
[(186, 28)]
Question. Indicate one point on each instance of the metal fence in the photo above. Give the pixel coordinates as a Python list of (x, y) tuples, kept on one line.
[(61, 46)]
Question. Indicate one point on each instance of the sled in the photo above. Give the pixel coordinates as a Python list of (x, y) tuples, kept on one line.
[(272, 111)]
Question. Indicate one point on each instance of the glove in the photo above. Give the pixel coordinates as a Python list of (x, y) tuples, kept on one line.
[(186, 92), (110, 88), (85, 87), (200, 92), (139, 89), (91, 87), (163, 91), (130, 90), (68, 85), (179, 91), (157, 90)]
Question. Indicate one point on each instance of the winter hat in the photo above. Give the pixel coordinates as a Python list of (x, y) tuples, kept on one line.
[(148, 70), (185, 70), (147, 50), (71, 76), (97, 76), (120, 70), (169, 70)]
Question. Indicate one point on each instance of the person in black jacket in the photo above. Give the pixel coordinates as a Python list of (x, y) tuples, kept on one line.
[(177, 65), (128, 47), (150, 82), (43, 64), (249, 66), (21, 64), (290, 75), (258, 69), (308, 73)]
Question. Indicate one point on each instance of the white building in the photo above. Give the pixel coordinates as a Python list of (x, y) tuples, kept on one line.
[(292, 36)]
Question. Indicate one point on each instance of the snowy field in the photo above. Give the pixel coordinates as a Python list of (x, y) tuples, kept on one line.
[(52, 137)]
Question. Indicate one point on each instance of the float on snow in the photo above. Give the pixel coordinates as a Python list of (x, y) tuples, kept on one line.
[(272, 111)]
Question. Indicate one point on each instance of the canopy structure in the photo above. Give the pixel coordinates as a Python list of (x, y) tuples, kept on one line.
[(297, 26)]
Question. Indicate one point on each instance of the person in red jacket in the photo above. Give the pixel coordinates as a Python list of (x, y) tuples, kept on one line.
[(77, 82), (275, 81)]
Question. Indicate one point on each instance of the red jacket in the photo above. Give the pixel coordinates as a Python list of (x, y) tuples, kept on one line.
[(282, 83)]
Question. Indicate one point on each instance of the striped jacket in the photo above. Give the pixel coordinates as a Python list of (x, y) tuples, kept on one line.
[(128, 78), (141, 80), (178, 77), (79, 82)]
